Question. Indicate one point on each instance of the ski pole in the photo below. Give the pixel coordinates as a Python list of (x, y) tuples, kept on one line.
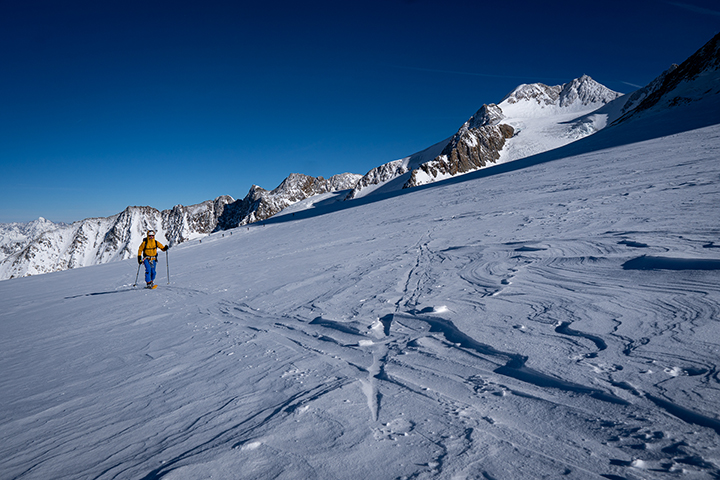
[(136, 276), (167, 263)]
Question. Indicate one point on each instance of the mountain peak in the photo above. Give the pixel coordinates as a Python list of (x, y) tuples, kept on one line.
[(487, 115), (260, 204), (585, 91), (533, 93), (579, 94)]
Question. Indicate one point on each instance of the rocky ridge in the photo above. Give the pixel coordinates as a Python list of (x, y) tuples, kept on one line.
[(260, 204), (576, 94), (692, 80), (43, 246), (477, 143)]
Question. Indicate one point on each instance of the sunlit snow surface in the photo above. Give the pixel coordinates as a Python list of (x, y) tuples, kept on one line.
[(560, 320)]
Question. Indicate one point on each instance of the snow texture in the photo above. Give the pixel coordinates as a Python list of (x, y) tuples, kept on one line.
[(464, 329), (557, 316)]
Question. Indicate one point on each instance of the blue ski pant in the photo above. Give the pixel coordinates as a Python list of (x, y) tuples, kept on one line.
[(150, 269)]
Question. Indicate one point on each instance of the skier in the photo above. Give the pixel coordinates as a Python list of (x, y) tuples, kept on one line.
[(147, 254)]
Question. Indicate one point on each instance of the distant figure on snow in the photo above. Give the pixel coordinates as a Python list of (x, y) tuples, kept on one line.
[(147, 253)]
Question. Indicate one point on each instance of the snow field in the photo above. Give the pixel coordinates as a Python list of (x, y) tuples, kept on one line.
[(488, 327)]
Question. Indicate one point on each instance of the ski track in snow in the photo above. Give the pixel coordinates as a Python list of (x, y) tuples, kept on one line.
[(461, 331)]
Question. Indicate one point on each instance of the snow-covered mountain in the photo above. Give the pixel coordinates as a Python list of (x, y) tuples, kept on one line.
[(555, 317), (545, 118), (531, 119), (16, 236), (100, 240), (696, 79), (536, 118), (42, 246), (259, 204)]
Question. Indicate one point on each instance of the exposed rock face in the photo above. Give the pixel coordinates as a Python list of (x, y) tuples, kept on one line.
[(259, 204), (638, 96), (378, 175), (183, 223), (477, 143)]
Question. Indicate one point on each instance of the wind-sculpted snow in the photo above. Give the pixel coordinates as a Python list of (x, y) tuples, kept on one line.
[(468, 329)]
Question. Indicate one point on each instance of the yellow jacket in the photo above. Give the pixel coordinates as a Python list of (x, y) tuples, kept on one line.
[(149, 247)]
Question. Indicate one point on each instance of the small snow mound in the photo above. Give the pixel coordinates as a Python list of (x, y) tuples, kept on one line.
[(251, 446), (440, 309), (366, 343)]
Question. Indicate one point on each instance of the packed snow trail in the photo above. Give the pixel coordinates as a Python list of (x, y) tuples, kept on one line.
[(508, 325)]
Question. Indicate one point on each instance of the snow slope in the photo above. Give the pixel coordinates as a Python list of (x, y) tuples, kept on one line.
[(545, 118), (553, 317)]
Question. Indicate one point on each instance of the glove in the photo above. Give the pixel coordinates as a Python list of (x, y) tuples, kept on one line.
[(139, 259), (166, 248)]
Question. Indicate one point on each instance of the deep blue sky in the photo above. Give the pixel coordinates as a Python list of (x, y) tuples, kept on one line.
[(105, 104)]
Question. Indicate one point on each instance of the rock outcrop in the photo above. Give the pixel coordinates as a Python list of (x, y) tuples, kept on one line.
[(477, 143), (260, 204)]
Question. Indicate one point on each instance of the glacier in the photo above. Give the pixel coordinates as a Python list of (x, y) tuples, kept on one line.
[(555, 316), (463, 329)]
